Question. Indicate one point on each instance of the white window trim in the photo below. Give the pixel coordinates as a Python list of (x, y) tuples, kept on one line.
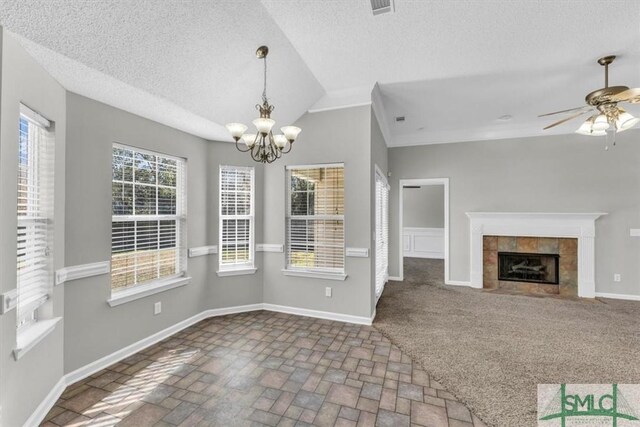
[(314, 273), (144, 289), (241, 271), (31, 335), (147, 289), (247, 268)]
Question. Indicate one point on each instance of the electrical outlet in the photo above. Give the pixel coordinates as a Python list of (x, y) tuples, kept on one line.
[(327, 292), (617, 277), (157, 308)]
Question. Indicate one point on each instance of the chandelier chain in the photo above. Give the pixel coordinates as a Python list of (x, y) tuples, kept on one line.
[(264, 91)]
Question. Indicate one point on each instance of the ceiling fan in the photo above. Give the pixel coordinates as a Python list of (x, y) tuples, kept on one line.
[(607, 117)]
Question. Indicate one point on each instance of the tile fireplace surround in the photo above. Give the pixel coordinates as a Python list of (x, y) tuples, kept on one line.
[(566, 248), (580, 226)]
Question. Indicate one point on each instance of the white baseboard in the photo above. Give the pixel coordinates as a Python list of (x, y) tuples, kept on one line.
[(395, 278), (45, 406), (129, 350), (457, 283), (618, 296), (319, 314)]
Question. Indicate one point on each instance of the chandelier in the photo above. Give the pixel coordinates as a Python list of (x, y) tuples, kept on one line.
[(264, 146)]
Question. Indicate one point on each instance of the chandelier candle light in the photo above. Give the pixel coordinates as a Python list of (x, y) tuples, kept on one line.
[(264, 146)]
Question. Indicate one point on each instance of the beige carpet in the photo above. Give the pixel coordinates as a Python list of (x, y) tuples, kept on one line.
[(491, 350)]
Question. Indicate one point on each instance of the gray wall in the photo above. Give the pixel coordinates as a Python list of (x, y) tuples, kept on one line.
[(567, 173), (423, 207), (27, 381), (327, 137), (93, 329)]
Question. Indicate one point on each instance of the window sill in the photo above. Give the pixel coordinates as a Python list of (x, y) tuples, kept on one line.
[(237, 271), (315, 274), (142, 291), (32, 335)]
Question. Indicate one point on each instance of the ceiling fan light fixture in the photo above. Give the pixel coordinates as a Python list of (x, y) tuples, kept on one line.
[(626, 121), (610, 118), (585, 128), (601, 123)]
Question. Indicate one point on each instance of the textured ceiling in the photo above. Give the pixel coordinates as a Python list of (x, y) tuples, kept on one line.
[(188, 63), (454, 67), (451, 67)]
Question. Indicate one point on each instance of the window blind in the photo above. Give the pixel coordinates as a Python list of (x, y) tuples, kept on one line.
[(35, 215), (236, 217), (315, 218), (382, 232), (148, 226)]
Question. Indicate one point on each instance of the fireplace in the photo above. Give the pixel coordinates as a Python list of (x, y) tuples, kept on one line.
[(529, 267), (570, 235)]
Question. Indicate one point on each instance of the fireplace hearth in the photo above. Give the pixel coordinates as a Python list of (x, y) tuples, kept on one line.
[(529, 267)]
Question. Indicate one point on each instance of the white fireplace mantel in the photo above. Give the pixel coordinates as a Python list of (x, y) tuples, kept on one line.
[(538, 224)]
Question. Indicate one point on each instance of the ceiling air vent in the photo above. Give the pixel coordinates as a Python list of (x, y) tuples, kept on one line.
[(381, 6), (400, 119)]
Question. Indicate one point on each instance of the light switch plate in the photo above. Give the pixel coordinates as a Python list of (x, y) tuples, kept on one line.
[(157, 308), (327, 292), (8, 301)]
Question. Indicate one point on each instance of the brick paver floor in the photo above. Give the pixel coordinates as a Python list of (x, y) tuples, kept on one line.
[(263, 368)]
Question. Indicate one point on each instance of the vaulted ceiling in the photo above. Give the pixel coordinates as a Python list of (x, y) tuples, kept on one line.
[(452, 68)]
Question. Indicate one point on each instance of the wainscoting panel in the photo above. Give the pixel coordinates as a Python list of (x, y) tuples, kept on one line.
[(423, 242)]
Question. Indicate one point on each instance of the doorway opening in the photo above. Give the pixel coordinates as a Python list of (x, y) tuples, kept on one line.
[(424, 225)]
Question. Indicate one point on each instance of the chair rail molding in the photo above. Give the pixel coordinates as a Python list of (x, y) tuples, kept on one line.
[(357, 252), (580, 226), (202, 251), (269, 247), (75, 272)]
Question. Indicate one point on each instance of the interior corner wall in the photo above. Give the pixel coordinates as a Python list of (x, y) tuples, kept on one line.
[(336, 136), (379, 158), (93, 329), (26, 382), (564, 173)]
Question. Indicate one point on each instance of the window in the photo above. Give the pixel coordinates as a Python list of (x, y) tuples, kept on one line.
[(149, 217), (35, 216), (236, 218), (382, 232), (315, 219)]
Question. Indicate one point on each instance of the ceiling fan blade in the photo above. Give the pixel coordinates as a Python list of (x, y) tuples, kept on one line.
[(630, 95), (565, 111), (566, 120)]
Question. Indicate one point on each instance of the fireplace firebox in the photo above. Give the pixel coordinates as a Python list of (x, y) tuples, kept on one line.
[(528, 267)]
